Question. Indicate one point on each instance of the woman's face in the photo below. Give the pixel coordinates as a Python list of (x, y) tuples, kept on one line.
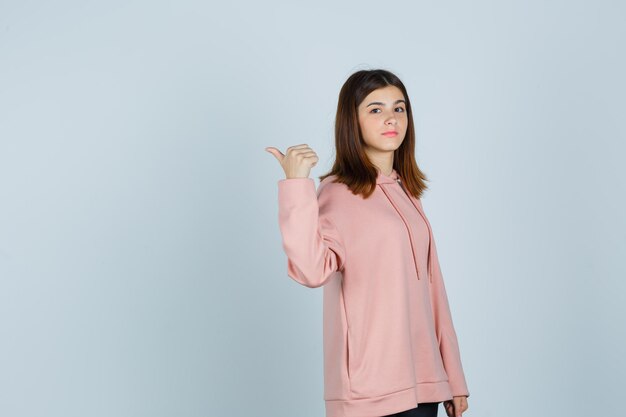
[(383, 110)]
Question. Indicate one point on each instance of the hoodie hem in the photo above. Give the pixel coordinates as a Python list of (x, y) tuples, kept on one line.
[(374, 406), (430, 392)]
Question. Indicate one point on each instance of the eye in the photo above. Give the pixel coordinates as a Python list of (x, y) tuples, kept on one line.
[(401, 110)]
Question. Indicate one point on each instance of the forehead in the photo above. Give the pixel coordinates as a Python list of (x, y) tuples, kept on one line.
[(387, 95)]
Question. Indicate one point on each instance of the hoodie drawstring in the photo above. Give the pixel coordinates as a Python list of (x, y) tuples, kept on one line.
[(429, 261)]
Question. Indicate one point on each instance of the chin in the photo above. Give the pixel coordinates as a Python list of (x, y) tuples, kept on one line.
[(388, 148)]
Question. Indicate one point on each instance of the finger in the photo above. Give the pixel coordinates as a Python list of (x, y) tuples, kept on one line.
[(296, 147), (311, 155), (457, 406), (268, 148), (464, 405), (301, 151), (309, 152), (313, 159), (277, 154)]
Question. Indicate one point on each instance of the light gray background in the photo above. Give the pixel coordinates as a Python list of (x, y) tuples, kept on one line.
[(141, 266)]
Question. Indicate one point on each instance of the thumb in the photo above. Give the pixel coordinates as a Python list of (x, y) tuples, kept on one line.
[(277, 154)]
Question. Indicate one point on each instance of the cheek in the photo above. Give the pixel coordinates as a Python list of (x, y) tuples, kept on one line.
[(372, 125)]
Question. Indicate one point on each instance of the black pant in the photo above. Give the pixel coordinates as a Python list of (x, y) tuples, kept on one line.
[(422, 410)]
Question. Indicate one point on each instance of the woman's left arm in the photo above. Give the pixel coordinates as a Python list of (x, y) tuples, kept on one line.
[(444, 327)]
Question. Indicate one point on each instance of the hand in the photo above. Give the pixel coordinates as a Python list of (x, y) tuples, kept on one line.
[(297, 162), (456, 406)]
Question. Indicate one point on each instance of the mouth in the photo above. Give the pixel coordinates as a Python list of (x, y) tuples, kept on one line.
[(391, 133)]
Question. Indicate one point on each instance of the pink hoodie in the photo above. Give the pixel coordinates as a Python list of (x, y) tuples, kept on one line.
[(389, 341)]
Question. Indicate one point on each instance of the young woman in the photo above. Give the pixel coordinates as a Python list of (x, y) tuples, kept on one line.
[(390, 348)]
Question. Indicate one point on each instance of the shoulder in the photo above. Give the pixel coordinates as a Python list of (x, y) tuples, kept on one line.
[(330, 187), (334, 194)]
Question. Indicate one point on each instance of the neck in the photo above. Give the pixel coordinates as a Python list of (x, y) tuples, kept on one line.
[(383, 162)]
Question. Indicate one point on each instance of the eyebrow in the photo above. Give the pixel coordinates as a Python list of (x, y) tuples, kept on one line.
[(382, 104)]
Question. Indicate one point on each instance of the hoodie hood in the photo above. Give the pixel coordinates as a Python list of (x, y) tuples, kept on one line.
[(387, 179)]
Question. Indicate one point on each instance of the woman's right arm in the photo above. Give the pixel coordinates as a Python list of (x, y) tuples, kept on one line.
[(310, 239)]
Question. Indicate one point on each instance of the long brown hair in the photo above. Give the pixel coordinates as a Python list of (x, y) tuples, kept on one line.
[(352, 166)]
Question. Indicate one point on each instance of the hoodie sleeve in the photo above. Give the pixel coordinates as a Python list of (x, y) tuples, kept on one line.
[(446, 335), (310, 239)]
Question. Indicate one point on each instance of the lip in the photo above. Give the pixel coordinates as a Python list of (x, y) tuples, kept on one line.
[(391, 133)]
